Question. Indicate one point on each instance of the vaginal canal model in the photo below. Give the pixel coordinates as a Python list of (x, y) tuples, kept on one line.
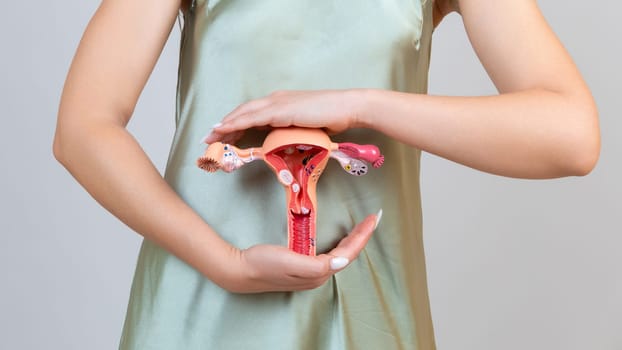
[(297, 156)]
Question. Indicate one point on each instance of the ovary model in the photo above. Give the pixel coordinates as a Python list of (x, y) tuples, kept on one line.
[(297, 156)]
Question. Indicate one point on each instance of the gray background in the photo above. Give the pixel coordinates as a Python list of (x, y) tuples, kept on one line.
[(512, 264)]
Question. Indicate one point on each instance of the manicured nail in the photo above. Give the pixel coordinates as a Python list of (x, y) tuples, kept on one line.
[(378, 217), (204, 138), (338, 263)]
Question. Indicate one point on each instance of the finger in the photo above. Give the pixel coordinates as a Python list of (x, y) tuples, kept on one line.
[(246, 107), (211, 137), (307, 268), (264, 117), (349, 247), (279, 266), (214, 135)]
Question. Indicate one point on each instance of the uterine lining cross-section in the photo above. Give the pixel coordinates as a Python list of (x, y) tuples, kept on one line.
[(297, 156)]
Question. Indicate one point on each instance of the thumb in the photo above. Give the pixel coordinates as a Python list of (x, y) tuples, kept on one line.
[(350, 246)]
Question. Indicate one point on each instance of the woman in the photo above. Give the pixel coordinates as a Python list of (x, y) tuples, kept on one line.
[(356, 68)]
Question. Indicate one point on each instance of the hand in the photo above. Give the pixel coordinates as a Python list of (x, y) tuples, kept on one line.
[(333, 110), (266, 268)]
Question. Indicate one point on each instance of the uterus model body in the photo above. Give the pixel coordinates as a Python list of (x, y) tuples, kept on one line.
[(297, 156)]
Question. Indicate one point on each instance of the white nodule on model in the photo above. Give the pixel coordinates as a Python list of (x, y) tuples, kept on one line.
[(286, 177)]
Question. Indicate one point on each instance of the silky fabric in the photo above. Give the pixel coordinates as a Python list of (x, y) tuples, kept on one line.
[(233, 51)]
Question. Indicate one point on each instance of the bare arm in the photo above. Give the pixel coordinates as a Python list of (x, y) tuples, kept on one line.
[(112, 64), (114, 59), (543, 124)]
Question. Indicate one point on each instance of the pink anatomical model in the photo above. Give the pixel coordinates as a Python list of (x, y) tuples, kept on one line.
[(297, 156)]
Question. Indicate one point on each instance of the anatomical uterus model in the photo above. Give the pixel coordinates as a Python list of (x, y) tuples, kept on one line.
[(297, 156)]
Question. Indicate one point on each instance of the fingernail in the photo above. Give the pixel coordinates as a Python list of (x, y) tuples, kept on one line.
[(338, 263), (204, 139), (378, 217)]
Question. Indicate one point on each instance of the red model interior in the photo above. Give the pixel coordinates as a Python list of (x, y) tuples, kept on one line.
[(298, 168)]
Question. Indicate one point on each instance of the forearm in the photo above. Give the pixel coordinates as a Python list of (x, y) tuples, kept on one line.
[(528, 134), (113, 61), (113, 168)]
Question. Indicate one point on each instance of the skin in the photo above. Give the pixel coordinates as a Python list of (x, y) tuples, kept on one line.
[(115, 57), (543, 124)]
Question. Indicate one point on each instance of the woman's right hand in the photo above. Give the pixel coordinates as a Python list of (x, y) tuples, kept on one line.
[(267, 268), (114, 59)]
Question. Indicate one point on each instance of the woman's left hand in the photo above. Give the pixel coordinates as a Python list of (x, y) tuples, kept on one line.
[(333, 110)]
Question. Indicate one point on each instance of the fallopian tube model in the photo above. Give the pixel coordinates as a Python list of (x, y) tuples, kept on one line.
[(297, 156)]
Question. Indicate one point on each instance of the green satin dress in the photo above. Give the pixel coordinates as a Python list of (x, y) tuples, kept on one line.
[(236, 50)]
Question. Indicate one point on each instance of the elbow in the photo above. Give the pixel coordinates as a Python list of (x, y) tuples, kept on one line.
[(57, 146), (585, 148), (585, 162), (64, 140)]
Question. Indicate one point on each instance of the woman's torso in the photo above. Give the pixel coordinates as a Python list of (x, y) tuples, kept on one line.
[(233, 51)]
